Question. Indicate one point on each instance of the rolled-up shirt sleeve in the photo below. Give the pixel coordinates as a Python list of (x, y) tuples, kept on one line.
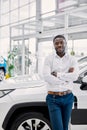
[(47, 74)]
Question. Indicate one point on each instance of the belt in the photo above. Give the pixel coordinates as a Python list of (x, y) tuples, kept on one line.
[(60, 93)]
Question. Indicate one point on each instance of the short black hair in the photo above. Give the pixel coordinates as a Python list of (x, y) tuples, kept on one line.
[(59, 36)]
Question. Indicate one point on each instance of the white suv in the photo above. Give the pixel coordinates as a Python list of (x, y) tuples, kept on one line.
[(23, 106)]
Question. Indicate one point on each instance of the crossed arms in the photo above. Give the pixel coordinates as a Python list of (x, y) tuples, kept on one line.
[(69, 71), (55, 78)]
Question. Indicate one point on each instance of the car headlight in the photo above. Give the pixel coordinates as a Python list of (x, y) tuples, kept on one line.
[(5, 92), (1, 60)]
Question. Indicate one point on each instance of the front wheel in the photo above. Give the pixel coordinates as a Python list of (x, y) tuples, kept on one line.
[(31, 121)]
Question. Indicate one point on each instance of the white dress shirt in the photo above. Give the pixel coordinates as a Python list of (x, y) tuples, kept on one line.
[(64, 79)]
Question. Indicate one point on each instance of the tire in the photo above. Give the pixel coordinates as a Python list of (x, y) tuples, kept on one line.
[(31, 121), (2, 74)]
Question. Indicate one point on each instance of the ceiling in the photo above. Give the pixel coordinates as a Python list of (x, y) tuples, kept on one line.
[(71, 21)]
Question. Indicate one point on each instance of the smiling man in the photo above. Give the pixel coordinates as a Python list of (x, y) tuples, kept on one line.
[(60, 70)]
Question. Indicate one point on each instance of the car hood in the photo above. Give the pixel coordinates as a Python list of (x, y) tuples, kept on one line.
[(12, 84)]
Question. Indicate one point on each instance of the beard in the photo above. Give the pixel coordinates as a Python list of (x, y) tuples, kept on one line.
[(60, 52)]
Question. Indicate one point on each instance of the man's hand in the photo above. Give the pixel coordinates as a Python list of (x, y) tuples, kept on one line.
[(71, 70), (54, 73)]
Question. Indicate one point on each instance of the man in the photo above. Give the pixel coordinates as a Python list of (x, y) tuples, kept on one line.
[(60, 70)]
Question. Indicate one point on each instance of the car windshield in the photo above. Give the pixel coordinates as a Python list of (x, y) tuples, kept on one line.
[(82, 62)]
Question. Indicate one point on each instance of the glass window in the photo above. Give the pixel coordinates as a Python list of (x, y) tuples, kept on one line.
[(4, 32), (5, 19), (27, 59), (17, 61), (4, 47), (32, 55), (48, 6), (23, 2), (32, 9), (24, 12), (14, 16), (14, 4), (14, 31), (78, 46), (44, 49), (4, 6), (32, 45)]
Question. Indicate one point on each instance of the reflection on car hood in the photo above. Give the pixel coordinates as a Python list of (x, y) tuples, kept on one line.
[(12, 84)]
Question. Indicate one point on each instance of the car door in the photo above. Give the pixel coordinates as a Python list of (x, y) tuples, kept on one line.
[(79, 112)]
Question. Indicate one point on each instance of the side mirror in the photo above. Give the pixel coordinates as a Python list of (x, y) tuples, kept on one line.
[(84, 83), (84, 79), (78, 81)]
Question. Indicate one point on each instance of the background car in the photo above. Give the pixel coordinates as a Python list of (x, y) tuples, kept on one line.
[(3, 67)]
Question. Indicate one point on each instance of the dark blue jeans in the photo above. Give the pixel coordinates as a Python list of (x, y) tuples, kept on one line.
[(60, 108)]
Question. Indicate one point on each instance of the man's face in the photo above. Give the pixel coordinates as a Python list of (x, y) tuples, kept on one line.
[(59, 45)]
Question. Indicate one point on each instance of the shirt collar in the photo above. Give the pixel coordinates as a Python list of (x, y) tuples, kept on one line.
[(66, 54)]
